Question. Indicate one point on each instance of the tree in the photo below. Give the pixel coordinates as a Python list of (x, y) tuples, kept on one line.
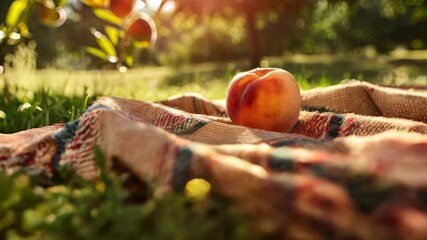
[(250, 10), (384, 24), (126, 28)]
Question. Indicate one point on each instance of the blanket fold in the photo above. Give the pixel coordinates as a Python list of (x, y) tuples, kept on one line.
[(368, 99), (358, 172)]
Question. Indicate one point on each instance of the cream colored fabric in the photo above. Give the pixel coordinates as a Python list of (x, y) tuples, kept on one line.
[(367, 99)]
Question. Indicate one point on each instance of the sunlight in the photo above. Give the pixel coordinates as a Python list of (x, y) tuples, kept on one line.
[(139, 5), (155, 4)]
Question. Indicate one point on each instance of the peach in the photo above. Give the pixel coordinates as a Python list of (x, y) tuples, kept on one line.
[(264, 98), (143, 29), (51, 17), (121, 8)]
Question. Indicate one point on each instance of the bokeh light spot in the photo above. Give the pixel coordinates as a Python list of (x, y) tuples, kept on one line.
[(264, 63), (197, 188), (300, 23)]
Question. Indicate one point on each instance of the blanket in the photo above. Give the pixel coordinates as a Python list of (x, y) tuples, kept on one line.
[(353, 167)]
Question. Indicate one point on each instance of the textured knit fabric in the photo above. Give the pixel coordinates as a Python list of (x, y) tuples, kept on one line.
[(353, 167)]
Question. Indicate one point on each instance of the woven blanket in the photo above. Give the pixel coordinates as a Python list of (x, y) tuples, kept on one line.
[(353, 167)]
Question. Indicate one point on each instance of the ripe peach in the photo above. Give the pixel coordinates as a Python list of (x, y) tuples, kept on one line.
[(51, 17), (121, 8), (264, 98), (143, 29)]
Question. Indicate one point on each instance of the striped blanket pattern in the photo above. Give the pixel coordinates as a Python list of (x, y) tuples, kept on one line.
[(353, 167)]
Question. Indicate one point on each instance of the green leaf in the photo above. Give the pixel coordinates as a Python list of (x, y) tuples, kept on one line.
[(108, 16), (49, 4), (96, 3), (60, 3), (96, 52), (23, 30), (129, 60), (113, 33), (15, 11), (104, 43), (128, 55)]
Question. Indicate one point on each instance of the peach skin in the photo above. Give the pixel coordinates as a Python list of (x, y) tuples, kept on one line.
[(143, 29), (264, 98), (51, 17), (121, 8)]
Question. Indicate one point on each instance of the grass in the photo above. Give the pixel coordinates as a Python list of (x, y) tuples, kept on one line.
[(400, 67), (34, 98), (211, 79), (70, 208), (38, 108)]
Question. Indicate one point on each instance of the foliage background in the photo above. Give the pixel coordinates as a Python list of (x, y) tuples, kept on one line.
[(219, 30)]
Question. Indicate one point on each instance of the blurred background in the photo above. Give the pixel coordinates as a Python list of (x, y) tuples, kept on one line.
[(373, 40)]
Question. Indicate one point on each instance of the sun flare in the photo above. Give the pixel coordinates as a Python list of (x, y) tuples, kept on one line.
[(154, 5)]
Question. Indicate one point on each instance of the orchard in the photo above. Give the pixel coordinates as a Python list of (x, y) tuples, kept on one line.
[(128, 27)]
